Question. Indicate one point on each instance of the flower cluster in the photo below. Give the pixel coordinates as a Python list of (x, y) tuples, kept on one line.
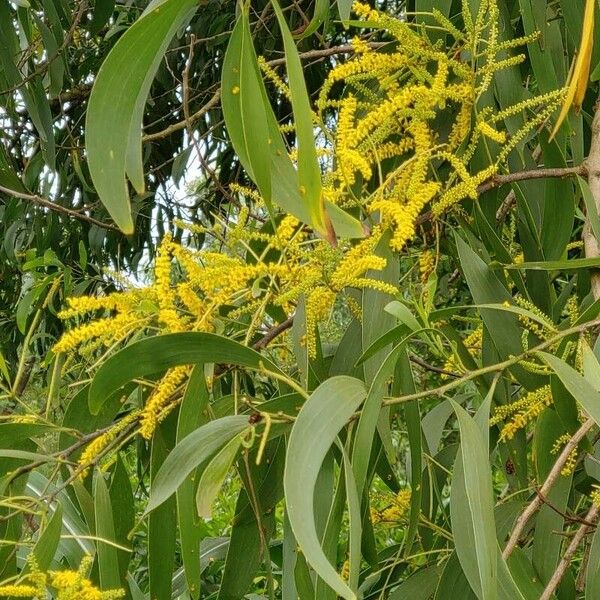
[(66, 584), (522, 412), (257, 269), (473, 344), (569, 465), (395, 511), (388, 134)]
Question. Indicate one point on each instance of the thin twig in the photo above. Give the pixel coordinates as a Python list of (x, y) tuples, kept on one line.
[(216, 97), (57, 208), (497, 180), (500, 366)]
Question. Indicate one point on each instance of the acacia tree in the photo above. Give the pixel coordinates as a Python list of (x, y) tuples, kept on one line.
[(362, 362)]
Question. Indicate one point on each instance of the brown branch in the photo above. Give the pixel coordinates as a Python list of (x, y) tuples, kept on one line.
[(215, 98), (591, 517), (57, 208), (497, 180), (553, 476), (272, 333)]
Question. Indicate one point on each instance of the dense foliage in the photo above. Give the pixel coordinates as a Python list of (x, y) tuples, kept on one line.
[(299, 300)]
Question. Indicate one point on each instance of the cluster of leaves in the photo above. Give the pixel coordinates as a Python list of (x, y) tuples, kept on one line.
[(374, 377)]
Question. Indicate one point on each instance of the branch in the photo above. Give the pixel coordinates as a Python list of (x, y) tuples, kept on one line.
[(497, 367), (497, 180), (591, 517), (554, 474), (272, 333), (214, 100), (57, 208)]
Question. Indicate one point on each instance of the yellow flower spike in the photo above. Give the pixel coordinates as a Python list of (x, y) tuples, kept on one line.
[(159, 404), (97, 446), (580, 70), (18, 591)]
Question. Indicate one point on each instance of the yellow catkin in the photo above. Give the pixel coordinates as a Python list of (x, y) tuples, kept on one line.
[(160, 400), (571, 461), (398, 509), (522, 412), (472, 343), (97, 446), (426, 265)]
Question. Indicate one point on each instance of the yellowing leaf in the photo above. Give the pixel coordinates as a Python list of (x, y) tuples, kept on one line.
[(580, 70)]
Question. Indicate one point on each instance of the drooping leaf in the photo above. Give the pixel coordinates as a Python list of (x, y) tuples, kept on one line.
[(116, 105), (316, 428), (577, 385), (472, 509), (244, 107), (213, 475), (156, 354), (192, 451), (309, 173), (162, 530), (192, 414), (108, 560)]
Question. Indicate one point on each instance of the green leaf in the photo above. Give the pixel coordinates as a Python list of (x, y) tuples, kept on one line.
[(403, 314), (103, 10), (309, 173), (317, 426), (192, 414), (472, 509), (571, 264), (320, 14), (546, 544), (159, 353), (592, 580), (108, 561), (213, 475), (246, 550), (47, 543), (419, 586), (122, 503), (367, 423), (244, 109), (192, 451), (116, 105), (162, 523), (284, 186), (579, 387), (453, 584)]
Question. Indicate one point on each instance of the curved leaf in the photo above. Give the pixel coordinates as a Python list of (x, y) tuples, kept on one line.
[(309, 173), (472, 509), (116, 105), (212, 477), (193, 450), (159, 353), (321, 418), (244, 108)]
